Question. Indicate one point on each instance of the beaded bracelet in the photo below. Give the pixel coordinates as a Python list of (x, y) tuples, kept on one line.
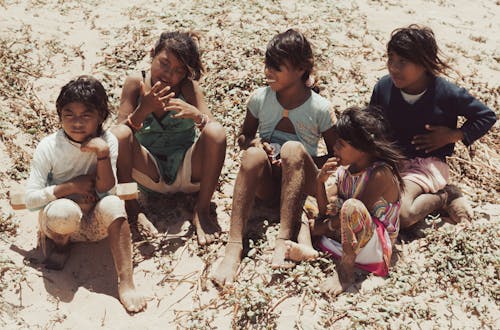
[(103, 158), (204, 121), (132, 125)]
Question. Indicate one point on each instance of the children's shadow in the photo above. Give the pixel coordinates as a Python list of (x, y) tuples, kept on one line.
[(90, 266), (262, 216), (171, 215)]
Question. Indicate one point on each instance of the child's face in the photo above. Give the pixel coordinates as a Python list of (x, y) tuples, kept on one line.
[(79, 122), (406, 75), (283, 78), (347, 154), (167, 68)]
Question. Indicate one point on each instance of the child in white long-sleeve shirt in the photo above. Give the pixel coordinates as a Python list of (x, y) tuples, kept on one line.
[(72, 172)]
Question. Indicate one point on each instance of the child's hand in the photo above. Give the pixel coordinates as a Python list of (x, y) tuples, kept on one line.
[(334, 205), (270, 153), (157, 98), (84, 185), (245, 142), (183, 109), (328, 169), (438, 137), (96, 145)]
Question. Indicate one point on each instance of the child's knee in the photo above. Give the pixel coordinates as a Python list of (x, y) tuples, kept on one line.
[(215, 132), (60, 217), (122, 132), (292, 150), (352, 206), (253, 158), (109, 209)]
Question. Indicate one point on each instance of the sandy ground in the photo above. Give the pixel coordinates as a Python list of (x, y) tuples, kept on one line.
[(46, 43)]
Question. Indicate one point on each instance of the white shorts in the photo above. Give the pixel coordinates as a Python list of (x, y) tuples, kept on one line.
[(182, 181), (64, 216)]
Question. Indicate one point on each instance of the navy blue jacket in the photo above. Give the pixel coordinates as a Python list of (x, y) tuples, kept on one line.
[(440, 105)]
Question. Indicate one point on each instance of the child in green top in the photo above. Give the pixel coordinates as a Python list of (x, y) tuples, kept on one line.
[(158, 148)]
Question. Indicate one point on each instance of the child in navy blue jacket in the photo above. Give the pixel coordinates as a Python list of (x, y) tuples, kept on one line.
[(422, 109)]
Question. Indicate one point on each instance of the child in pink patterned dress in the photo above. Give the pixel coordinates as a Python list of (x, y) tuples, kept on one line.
[(359, 220)]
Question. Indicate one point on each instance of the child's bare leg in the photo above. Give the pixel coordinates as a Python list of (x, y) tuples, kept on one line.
[(59, 251), (356, 227), (344, 277), (325, 226), (298, 180), (121, 248), (303, 250), (416, 205), (140, 223), (58, 220), (254, 178), (131, 155), (207, 161), (457, 206), (304, 236)]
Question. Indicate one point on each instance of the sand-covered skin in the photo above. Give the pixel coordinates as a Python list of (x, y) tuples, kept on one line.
[(444, 277)]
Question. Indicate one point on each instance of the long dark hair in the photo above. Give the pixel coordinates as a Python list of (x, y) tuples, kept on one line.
[(368, 131), (184, 45), (88, 91), (291, 46), (418, 45)]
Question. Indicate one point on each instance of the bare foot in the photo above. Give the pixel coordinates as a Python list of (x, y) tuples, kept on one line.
[(130, 298), (299, 252), (457, 206), (224, 274), (334, 286), (207, 229), (280, 250), (57, 257), (146, 228)]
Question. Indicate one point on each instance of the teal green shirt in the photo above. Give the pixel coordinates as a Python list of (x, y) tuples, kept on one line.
[(167, 140)]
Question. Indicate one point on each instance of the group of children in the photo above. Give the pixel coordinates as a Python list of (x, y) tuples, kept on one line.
[(387, 160)]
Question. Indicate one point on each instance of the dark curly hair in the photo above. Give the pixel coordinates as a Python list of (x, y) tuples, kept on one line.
[(418, 45), (184, 45), (88, 91), (367, 130), (293, 47)]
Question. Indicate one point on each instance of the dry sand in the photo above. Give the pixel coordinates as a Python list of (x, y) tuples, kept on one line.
[(45, 43)]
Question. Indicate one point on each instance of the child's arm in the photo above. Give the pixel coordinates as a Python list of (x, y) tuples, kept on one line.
[(104, 179), (248, 131), (479, 117), (39, 193), (330, 137), (382, 183), (82, 185), (479, 120), (195, 107), (321, 194)]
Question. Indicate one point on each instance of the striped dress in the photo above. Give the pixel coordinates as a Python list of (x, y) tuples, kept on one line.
[(378, 233)]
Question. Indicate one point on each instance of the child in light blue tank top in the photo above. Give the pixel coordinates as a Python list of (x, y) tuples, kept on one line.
[(289, 113)]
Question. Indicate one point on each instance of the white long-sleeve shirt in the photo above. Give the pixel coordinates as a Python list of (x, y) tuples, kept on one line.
[(57, 160)]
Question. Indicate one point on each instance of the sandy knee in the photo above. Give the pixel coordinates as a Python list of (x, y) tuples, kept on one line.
[(109, 209), (292, 151), (352, 206), (215, 133), (253, 159), (122, 132), (61, 217)]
